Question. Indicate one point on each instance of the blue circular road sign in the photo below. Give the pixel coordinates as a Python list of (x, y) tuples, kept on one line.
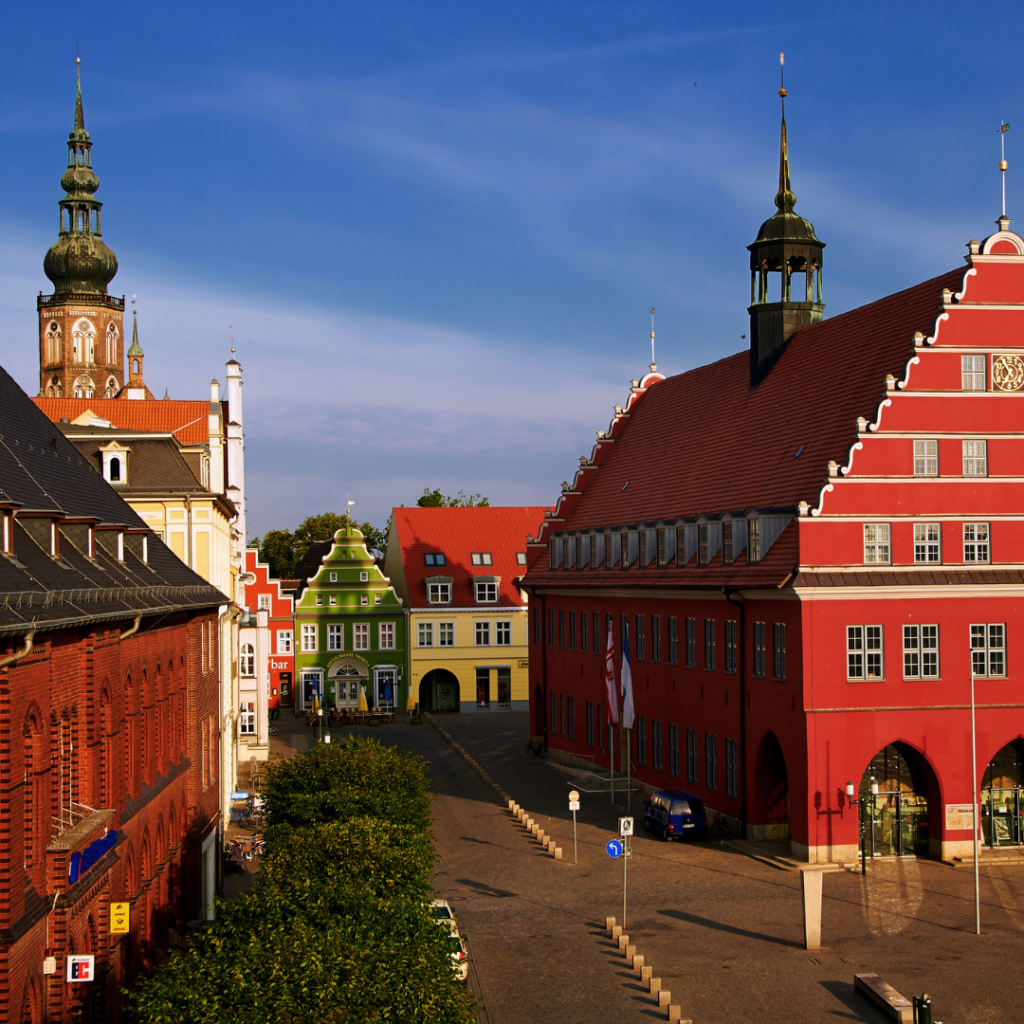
[(614, 848)]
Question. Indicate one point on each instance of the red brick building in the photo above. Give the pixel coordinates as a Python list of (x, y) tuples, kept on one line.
[(809, 546), (108, 730)]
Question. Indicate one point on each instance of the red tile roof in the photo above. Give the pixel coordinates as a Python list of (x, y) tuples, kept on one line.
[(457, 533), (185, 419), (705, 441)]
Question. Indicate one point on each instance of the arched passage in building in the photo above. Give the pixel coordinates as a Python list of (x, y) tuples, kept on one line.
[(1002, 797), (439, 691), (345, 678), (896, 817), (769, 813)]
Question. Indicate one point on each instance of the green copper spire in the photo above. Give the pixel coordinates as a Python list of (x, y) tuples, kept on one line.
[(80, 262), (785, 201), (136, 348)]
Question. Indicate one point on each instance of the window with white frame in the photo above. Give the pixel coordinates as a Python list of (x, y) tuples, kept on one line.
[(482, 634), (876, 543), (361, 636), (335, 637), (424, 634), (247, 660), (439, 593), (364, 577), (503, 632), (754, 540), (481, 558), (446, 634), (975, 458), (926, 458), (927, 542), (920, 652), (386, 636), (334, 577), (486, 593), (988, 649), (972, 371), (334, 600), (319, 598), (364, 599), (976, 542), (376, 598), (265, 602), (284, 641), (247, 719), (864, 652), (309, 637)]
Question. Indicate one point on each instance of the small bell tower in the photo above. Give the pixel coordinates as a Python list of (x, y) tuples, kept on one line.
[(785, 273)]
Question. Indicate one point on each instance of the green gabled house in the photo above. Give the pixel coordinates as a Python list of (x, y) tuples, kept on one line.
[(350, 634)]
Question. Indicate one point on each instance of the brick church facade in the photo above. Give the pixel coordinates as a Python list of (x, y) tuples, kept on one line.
[(810, 547)]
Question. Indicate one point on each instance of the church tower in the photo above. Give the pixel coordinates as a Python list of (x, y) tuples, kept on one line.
[(81, 327), (786, 246)]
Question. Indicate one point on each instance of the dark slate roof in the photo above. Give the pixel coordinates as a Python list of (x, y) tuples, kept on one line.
[(705, 441), (154, 463), (312, 560), (40, 469)]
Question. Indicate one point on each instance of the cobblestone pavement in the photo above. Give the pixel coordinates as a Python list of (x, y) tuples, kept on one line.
[(724, 932)]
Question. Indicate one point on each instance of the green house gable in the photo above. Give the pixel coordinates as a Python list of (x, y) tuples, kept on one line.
[(350, 630)]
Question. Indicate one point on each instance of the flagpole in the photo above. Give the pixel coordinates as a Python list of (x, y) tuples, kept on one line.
[(611, 755), (629, 765)]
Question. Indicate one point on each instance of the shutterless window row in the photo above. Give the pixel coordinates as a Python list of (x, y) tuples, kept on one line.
[(865, 651), (976, 543), (562, 627), (974, 457), (485, 634), (484, 592), (335, 634)]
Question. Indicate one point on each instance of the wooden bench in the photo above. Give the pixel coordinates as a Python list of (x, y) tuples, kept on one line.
[(884, 996)]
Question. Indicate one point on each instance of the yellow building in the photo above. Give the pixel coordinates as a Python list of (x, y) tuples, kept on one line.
[(457, 570)]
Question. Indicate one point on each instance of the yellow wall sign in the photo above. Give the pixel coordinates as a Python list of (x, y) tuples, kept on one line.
[(118, 918)]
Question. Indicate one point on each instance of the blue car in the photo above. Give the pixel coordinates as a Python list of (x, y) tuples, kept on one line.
[(673, 812)]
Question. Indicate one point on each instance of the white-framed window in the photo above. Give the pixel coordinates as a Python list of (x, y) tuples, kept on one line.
[(439, 593), (386, 636), (376, 598), (334, 600), (975, 458), (865, 652), (921, 652), (284, 641), (503, 633), (926, 458), (334, 577), (364, 599), (309, 637), (486, 593), (336, 637), (361, 636), (482, 634), (264, 602), (247, 719), (319, 598), (481, 558), (754, 540), (520, 558), (424, 634), (876, 543), (247, 660), (446, 634), (927, 542), (972, 372), (364, 577), (976, 542), (988, 648)]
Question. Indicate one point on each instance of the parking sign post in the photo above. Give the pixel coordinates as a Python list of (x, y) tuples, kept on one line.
[(574, 806), (626, 831)]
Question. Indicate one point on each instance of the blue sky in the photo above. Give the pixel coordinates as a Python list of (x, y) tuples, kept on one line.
[(438, 228)]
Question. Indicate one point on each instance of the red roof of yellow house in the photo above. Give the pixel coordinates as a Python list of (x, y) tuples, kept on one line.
[(186, 420)]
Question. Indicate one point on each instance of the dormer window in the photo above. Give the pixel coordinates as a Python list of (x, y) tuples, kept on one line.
[(115, 463), (485, 591), (439, 590), (481, 558), (433, 558)]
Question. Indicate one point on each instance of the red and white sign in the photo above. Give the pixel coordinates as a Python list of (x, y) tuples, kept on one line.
[(81, 967)]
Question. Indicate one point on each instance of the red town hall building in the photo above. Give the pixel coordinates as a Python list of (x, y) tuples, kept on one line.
[(811, 546)]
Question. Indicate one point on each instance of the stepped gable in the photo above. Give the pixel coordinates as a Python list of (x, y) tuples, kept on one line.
[(705, 441), (42, 471), (457, 532)]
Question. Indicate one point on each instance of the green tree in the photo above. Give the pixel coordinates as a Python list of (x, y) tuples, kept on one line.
[(435, 499), (278, 551), (283, 550)]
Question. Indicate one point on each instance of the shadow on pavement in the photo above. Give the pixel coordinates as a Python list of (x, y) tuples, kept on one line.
[(845, 993), (704, 922)]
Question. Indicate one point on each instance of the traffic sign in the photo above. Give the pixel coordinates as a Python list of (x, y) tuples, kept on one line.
[(573, 795), (614, 848), (625, 826), (574, 805), (119, 918)]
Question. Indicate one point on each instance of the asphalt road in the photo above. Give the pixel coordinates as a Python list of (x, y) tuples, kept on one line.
[(723, 931)]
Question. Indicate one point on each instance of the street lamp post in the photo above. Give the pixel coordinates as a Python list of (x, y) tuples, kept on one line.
[(860, 814)]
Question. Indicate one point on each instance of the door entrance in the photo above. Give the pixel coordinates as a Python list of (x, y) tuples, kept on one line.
[(899, 825), (387, 688), (1002, 797)]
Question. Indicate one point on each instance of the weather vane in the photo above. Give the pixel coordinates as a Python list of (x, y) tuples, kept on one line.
[(1004, 127), (652, 336)]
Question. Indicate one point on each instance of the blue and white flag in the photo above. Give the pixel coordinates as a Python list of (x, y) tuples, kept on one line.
[(626, 678)]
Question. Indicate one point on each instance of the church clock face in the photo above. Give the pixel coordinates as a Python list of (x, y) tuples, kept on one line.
[(1008, 373)]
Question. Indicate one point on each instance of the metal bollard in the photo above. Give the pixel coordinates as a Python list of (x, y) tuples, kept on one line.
[(922, 1009)]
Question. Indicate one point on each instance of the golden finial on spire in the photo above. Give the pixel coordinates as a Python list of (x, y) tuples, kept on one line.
[(652, 335), (1004, 127)]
